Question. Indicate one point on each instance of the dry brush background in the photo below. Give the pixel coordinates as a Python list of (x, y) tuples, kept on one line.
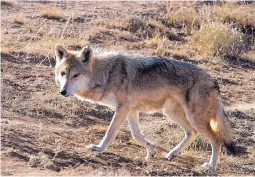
[(45, 134)]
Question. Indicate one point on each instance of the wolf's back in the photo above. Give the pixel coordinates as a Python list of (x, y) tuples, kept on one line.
[(157, 72)]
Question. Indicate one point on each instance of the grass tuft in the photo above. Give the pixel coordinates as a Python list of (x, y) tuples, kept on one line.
[(46, 46), (19, 19), (185, 16), (219, 39), (52, 13)]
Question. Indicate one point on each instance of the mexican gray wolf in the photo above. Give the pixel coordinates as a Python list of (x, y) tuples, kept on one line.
[(132, 83)]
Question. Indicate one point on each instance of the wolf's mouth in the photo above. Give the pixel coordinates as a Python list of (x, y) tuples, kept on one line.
[(63, 92)]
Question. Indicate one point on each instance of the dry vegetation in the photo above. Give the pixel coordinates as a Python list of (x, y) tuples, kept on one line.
[(52, 13), (45, 134), (18, 19), (220, 39)]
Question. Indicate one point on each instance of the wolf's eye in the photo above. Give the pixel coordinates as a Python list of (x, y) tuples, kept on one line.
[(63, 73), (76, 75)]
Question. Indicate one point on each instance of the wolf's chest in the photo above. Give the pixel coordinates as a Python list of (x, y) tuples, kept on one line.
[(109, 100)]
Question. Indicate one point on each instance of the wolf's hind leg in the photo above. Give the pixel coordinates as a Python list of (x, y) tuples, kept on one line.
[(211, 166), (178, 116), (138, 136)]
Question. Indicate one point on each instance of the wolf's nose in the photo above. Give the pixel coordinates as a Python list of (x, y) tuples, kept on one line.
[(63, 92)]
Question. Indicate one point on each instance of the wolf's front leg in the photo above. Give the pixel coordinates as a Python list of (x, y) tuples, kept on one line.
[(118, 119), (133, 120)]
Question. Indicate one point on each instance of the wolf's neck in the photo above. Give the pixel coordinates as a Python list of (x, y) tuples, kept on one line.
[(100, 75), (94, 94)]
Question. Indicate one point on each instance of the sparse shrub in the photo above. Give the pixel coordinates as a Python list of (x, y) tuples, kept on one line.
[(45, 46), (135, 24), (117, 22), (98, 22), (76, 17), (185, 16), (132, 24), (155, 41), (240, 14), (52, 13), (251, 54), (219, 39), (6, 4), (160, 43), (18, 19), (140, 27), (41, 159)]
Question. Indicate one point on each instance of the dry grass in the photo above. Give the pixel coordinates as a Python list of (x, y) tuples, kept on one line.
[(231, 12), (219, 39), (46, 45), (160, 43), (75, 15), (136, 25), (52, 13), (244, 19), (184, 14), (41, 159), (19, 19), (190, 14), (250, 55), (156, 41), (164, 46), (6, 3), (117, 22), (98, 22)]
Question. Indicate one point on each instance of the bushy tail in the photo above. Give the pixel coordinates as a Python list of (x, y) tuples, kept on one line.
[(222, 129), (230, 147)]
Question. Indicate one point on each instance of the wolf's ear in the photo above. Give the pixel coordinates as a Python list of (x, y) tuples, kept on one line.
[(86, 54), (60, 52)]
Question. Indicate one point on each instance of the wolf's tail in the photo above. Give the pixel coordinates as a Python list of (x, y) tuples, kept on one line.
[(222, 130)]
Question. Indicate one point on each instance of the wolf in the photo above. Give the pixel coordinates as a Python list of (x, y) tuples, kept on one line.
[(132, 83)]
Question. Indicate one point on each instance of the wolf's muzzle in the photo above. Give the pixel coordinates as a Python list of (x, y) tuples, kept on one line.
[(63, 92)]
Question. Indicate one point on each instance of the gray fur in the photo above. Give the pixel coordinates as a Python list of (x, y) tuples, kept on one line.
[(132, 72)]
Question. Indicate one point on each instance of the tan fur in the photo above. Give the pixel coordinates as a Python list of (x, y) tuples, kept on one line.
[(134, 83)]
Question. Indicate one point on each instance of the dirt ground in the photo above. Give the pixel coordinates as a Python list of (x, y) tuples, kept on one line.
[(43, 133)]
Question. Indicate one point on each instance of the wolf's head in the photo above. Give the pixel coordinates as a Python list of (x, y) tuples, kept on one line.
[(73, 70)]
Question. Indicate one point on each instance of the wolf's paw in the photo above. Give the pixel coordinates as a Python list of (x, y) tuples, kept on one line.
[(151, 152), (209, 168), (96, 148), (172, 154)]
